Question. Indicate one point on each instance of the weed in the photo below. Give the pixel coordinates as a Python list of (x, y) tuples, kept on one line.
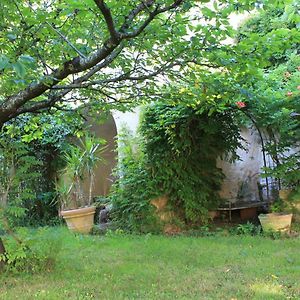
[(246, 229)]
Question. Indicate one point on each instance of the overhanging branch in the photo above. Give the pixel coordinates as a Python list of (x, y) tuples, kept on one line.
[(19, 103), (115, 36)]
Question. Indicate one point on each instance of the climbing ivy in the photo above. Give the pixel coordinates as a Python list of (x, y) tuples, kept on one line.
[(182, 148), (179, 148)]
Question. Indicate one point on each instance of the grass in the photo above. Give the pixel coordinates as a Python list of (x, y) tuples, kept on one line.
[(158, 267)]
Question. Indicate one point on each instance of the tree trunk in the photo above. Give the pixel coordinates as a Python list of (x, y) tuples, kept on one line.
[(2, 251)]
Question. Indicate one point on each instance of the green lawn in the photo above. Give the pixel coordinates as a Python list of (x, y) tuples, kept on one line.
[(157, 267)]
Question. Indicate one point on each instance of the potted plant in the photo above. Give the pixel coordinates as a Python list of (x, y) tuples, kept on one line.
[(292, 198), (289, 191), (279, 219), (76, 207), (287, 205)]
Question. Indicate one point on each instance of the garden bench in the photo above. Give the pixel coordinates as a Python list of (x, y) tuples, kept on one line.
[(247, 209)]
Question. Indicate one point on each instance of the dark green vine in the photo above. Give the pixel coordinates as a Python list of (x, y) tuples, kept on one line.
[(179, 150)]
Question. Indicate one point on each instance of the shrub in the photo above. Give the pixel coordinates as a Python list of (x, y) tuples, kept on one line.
[(246, 229), (29, 157), (176, 156), (132, 191), (34, 251)]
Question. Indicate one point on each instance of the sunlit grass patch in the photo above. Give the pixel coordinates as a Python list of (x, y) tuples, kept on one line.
[(159, 267)]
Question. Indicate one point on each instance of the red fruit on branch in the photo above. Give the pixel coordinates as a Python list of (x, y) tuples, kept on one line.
[(289, 94), (240, 104)]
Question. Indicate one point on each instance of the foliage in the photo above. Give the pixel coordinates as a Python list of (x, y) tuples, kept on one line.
[(44, 130), (246, 229), (278, 206), (278, 26), (275, 103), (182, 146), (287, 203), (80, 164), (133, 188), (250, 229), (115, 51), (19, 175), (179, 148), (29, 158), (37, 251), (203, 231)]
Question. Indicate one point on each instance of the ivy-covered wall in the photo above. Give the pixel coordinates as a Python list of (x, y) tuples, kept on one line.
[(177, 153), (242, 177)]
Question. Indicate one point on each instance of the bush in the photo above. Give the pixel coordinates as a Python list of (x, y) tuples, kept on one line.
[(176, 156), (246, 229), (132, 191), (182, 145), (34, 251), (29, 157)]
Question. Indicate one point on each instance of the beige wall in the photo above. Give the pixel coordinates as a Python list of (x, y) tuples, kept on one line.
[(242, 176), (103, 173)]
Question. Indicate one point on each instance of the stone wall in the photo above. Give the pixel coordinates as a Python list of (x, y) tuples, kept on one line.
[(243, 176)]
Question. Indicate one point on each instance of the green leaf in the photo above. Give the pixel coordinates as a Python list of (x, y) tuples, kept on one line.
[(20, 69), (11, 36), (4, 62), (215, 4), (211, 111), (26, 58), (208, 13)]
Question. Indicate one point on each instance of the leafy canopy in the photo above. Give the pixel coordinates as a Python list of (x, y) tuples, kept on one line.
[(102, 54)]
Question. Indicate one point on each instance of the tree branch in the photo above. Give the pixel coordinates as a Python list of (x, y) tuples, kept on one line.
[(128, 20), (66, 40), (33, 107), (122, 77), (16, 104), (152, 15), (115, 36)]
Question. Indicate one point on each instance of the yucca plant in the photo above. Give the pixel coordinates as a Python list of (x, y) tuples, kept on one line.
[(80, 162), (92, 148)]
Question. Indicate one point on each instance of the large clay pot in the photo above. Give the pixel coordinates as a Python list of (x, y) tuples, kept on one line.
[(80, 220), (160, 203), (164, 215), (276, 222)]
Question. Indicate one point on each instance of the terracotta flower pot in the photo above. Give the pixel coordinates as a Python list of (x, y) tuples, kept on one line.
[(80, 220), (276, 221)]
